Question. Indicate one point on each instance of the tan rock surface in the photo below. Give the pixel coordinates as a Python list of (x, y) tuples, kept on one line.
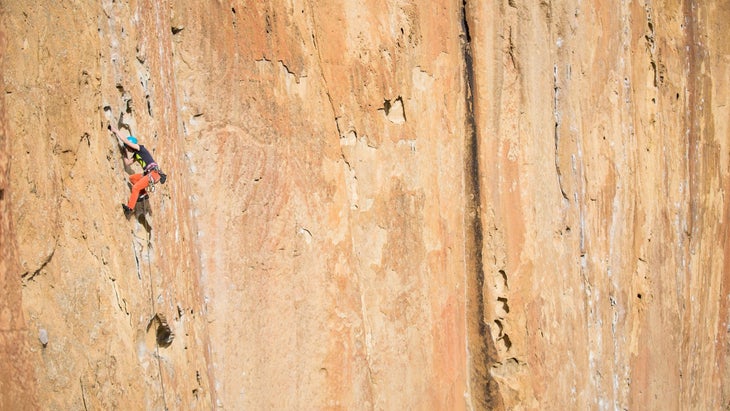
[(604, 143), (17, 385), (370, 205)]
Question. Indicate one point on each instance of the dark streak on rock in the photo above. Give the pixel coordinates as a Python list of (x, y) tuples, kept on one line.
[(485, 389)]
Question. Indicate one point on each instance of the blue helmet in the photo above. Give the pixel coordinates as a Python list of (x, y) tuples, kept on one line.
[(132, 139)]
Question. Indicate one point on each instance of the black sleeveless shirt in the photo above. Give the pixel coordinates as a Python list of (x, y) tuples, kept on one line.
[(143, 157)]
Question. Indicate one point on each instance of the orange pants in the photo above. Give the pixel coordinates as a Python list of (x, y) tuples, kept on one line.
[(139, 183)]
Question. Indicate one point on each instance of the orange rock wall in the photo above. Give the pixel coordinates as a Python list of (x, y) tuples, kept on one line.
[(370, 205), (604, 145), (17, 385), (325, 144)]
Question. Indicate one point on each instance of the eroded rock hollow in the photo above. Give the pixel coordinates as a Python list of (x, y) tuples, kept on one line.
[(370, 205)]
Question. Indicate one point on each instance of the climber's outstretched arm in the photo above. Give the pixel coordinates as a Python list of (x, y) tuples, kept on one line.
[(123, 139)]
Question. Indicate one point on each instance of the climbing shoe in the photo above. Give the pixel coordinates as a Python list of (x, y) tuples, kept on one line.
[(127, 211), (143, 197)]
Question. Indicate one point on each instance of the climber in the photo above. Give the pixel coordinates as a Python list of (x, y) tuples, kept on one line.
[(141, 181)]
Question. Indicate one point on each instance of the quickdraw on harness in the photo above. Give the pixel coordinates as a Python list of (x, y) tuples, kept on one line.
[(148, 172)]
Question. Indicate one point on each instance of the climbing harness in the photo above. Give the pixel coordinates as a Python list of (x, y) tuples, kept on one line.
[(151, 167), (148, 172)]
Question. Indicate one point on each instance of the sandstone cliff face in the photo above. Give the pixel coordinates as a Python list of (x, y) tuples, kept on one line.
[(399, 205), (603, 134)]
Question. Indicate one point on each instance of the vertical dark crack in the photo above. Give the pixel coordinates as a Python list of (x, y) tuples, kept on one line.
[(657, 68), (465, 30), (693, 103), (83, 394), (556, 113), (485, 390)]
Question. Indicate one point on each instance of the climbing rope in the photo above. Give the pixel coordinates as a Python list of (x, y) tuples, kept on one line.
[(154, 309)]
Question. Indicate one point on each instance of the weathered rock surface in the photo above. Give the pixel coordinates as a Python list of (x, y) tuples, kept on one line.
[(370, 205)]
